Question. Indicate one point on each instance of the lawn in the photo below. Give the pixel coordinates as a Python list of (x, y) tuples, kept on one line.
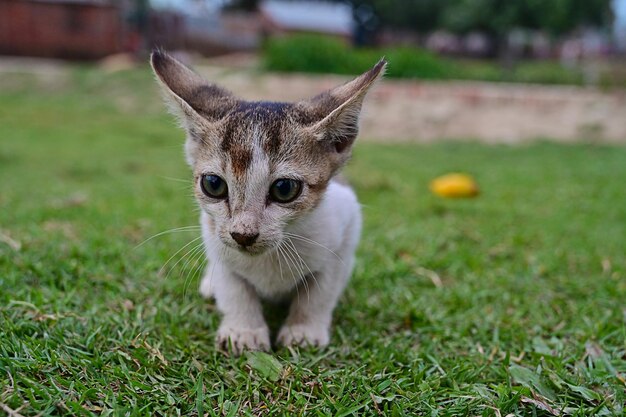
[(510, 303)]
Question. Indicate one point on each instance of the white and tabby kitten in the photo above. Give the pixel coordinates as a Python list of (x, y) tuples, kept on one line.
[(275, 221)]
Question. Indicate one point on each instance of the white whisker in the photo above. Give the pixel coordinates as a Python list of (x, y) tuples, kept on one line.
[(187, 181), (197, 260), (293, 277), (306, 239), (292, 257), (186, 256), (177, 252), (303, 262), (177, 229)]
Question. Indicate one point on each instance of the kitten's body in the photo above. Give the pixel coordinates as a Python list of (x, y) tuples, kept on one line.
[(276, 223)]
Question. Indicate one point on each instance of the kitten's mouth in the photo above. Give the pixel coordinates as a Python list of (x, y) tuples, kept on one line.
[(247, 250)]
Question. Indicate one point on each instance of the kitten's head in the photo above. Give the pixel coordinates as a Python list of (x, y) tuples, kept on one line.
[(259, 165)]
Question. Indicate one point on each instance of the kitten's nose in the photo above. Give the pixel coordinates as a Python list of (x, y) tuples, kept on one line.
[(244, 239)]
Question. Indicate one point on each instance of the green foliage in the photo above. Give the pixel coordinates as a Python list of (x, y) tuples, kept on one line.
[(310, 53), (500, 16), (322, 54), (414, 63), (528, 317)]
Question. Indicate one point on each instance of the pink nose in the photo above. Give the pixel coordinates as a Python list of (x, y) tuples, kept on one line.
[(244, 239)]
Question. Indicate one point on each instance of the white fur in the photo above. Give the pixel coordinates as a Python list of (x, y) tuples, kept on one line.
[(238, 281)]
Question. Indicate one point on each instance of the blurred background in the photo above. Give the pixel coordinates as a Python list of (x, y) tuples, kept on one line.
[(507, 303), (522, 43), (566, 30)]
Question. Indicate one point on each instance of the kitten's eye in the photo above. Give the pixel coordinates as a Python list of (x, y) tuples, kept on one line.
[(214, 186), (285, 190)]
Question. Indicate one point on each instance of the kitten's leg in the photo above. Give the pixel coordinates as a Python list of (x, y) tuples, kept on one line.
[(243, 326), (310, 314)]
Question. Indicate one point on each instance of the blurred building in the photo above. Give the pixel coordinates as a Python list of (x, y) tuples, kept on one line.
[(283, 16), (61, 28), (204, 27), (221, 31)]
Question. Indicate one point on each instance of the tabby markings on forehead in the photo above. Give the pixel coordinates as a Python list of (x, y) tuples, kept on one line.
[(270, 117), (240, 159), (262, 109)]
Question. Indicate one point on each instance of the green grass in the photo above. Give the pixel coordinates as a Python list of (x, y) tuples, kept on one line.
[(529, 318)]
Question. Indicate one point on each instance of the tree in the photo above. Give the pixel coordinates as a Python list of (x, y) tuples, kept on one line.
[(249, 5), (498, 17), (417, 15)]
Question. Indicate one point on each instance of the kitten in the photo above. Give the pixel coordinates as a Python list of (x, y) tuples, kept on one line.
[(276, 222)]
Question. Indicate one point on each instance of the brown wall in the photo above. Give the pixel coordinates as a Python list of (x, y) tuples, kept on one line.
[(59, 29)]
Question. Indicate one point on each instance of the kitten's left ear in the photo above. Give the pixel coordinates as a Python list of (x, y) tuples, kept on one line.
[(199, 105), (188, 94), (337, 112)]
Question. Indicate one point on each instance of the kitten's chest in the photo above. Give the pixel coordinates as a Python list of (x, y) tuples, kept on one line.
[(276, 274)]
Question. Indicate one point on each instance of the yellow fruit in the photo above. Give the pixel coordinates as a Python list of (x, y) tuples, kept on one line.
[(454, 186)]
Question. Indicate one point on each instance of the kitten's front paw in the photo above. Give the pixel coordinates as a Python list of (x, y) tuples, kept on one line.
[(237, 339), (303, 335)]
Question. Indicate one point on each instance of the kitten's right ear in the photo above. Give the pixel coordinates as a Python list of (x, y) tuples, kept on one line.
[(188, 94)]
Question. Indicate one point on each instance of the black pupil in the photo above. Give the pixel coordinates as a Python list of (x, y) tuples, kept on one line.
[(214, 182), (214, 186), (284, 188)]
